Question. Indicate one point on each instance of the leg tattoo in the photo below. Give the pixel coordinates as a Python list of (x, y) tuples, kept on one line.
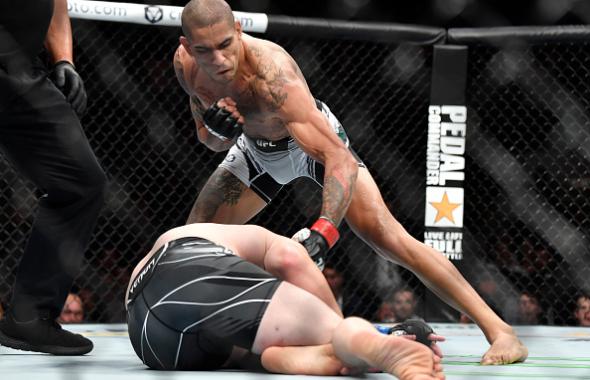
[(221, 188)]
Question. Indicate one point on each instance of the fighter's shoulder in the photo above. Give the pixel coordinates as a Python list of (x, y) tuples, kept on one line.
[(268, 56), (185, 68)]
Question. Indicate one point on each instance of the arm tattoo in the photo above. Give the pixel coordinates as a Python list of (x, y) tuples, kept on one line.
[(275, 89), (337, 195), (270, 81)]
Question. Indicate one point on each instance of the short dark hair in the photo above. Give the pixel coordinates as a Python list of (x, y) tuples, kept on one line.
[(201, 13)]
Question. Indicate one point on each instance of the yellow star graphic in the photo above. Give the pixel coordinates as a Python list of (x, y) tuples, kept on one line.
[(444, 209)]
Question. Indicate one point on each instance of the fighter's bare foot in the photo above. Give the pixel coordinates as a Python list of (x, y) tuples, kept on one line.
[(505, 349), (408, 360)]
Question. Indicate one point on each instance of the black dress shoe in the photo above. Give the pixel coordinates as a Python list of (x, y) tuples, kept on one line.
[(42, 335)]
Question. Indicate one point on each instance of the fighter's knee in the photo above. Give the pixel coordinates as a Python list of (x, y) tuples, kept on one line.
[(380, 232), (290, 259), (386, 236)]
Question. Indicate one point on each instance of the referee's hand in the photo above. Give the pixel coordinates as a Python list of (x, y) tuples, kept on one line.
[(67, 79)]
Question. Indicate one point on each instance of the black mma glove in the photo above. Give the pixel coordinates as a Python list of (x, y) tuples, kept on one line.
[(318, 240), (414, 327), (221, 123), (69, 82)]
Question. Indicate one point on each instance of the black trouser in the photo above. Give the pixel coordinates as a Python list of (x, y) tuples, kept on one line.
[(42, 136)]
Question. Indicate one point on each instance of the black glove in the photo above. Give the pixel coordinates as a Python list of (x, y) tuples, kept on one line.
[(221, 123), (414, 327), (67, 79), (318, 240)]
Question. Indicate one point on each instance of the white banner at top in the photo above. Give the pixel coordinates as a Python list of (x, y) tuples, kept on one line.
[(150, 14)]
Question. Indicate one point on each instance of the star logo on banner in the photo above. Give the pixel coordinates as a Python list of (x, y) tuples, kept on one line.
[(444, 209)]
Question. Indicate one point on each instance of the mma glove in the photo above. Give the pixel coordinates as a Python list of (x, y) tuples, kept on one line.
[(221, 123), (415, 327), (69, 82), (318, 240)]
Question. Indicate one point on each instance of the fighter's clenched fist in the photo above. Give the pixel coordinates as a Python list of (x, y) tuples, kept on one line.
[(223, 120)]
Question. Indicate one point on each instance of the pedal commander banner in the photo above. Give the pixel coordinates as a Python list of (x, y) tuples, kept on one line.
[(445, 152)]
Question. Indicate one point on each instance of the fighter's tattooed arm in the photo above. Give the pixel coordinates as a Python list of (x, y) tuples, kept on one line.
[(313, 133), (336, 196), (270, 81)]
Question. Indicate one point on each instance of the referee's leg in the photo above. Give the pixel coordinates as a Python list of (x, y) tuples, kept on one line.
[(43, 138)]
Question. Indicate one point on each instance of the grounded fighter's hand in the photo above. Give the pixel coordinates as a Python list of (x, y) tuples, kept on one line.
[(318, 240), (223, 120), (69, 82)]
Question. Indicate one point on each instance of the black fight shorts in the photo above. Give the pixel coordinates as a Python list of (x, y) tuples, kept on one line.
[(193, 302)]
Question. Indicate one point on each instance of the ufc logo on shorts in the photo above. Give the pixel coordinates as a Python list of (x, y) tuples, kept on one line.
[(265, 144)]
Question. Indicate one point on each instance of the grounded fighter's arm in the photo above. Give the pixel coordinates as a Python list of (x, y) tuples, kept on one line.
[(302, 360), (241, 358), (291, 360)]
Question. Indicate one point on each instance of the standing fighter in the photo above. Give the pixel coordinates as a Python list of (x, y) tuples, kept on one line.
[(249, 96), (210, 296), (41, 134)]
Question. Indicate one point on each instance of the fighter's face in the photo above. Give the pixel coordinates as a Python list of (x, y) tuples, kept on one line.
[(216, 49)]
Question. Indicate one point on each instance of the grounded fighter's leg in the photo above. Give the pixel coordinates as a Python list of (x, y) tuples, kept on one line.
[(295, 317), (357, 343), (296, 328), (225, 199), (369, 217)]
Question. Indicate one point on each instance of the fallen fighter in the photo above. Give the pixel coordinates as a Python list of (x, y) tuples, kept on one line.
[(209, 296)]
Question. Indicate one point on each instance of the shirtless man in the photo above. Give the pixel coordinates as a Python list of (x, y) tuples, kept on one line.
[(201, 300), (249, 96)]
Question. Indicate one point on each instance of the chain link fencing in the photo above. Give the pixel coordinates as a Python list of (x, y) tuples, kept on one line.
[(529, 171), (526, 217)]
